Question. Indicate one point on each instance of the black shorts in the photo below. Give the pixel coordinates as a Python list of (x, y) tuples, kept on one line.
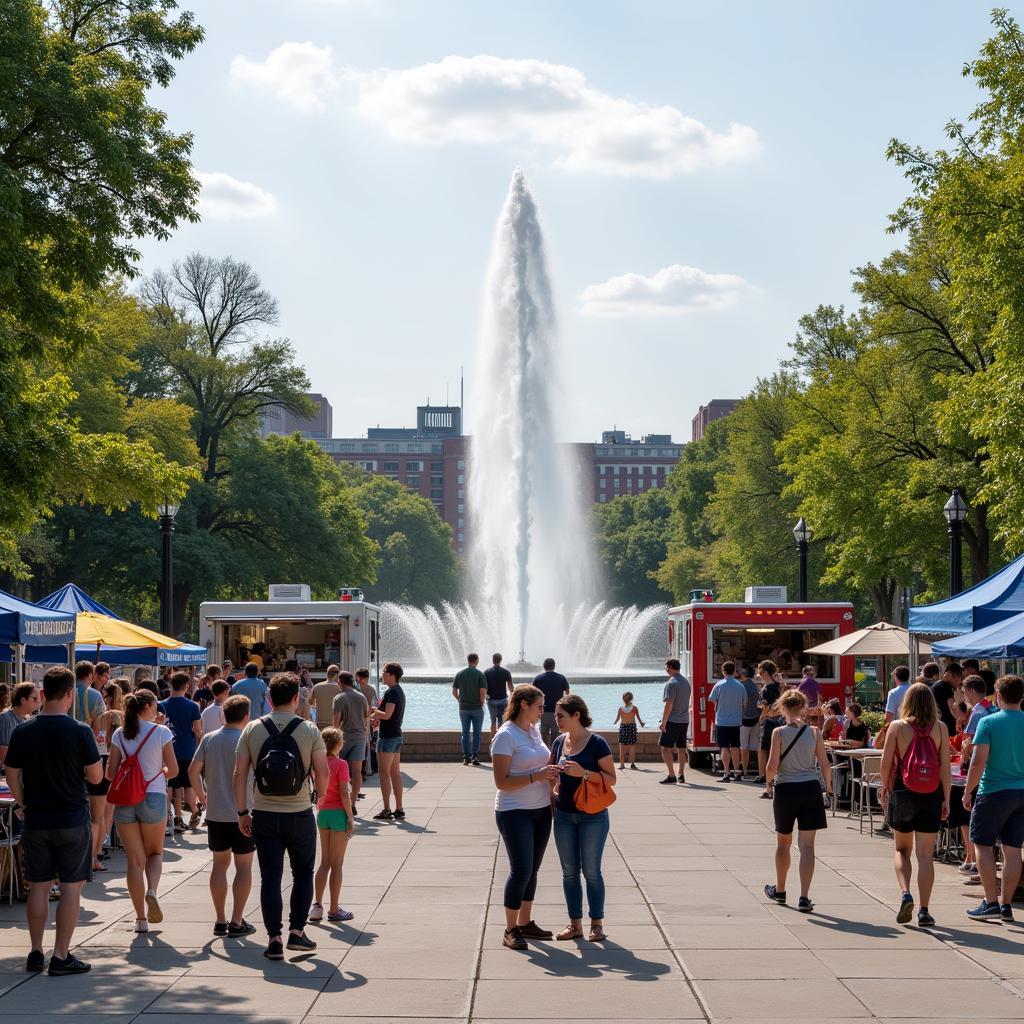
[(914, 812), (727, 736), (798, 803), (674, 734), (768, 726), (999, 816), (180, 781), (61, 853), (226, 835)]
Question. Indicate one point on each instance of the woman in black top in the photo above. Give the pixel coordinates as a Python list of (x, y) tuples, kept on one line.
[(580, 837)]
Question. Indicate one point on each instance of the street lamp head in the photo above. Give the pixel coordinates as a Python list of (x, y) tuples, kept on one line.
[(955, 510), (802, 532), (167, 509)]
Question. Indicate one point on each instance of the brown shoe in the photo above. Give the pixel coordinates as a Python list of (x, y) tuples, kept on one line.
[(597, 933), (570, 931), (533, 931), (513, 939)]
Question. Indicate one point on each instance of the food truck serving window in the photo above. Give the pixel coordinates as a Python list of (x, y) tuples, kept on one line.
[(749, 645)]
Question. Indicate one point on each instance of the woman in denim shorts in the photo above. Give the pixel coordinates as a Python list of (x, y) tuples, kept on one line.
[(141, 826)]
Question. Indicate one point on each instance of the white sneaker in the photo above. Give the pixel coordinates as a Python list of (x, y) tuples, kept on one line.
[(141, 926), (316, 912), (968, 868)]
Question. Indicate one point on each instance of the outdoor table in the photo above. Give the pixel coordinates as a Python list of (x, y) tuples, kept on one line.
[(7, 805), (854, 754)]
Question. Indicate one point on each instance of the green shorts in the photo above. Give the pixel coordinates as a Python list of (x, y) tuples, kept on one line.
[(333, 821)]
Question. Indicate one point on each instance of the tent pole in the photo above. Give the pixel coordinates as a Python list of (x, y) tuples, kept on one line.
[(19, 663), (915, 655)]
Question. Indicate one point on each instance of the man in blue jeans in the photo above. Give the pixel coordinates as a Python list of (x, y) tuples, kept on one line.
[(470, 690), (282, 823)]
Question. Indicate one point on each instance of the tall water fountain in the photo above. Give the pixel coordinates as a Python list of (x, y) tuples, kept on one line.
[(531, 578)]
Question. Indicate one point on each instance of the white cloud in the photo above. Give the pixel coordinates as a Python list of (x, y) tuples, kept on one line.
[(489, 99), (672, 291), (301, 75), (226, 198)]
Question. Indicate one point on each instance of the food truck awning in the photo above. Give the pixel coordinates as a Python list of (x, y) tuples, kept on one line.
[(296, 619)]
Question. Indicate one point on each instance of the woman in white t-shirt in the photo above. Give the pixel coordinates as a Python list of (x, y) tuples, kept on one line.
[(522, 808), (141, 826)]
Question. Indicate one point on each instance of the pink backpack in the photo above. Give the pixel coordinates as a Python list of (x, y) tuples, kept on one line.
[(919, 766)]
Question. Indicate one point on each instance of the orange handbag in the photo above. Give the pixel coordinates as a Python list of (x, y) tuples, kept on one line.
[(594, 794)]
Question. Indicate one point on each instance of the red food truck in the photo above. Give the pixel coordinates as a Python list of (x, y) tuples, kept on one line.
[(704, 634)]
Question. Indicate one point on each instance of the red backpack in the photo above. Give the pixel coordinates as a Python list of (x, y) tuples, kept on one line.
[(919, 766), (129, 785)]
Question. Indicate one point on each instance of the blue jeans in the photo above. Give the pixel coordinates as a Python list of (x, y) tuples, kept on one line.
[(526, 835), (497, 709), (580, 840), (277, 833), (473, 717)]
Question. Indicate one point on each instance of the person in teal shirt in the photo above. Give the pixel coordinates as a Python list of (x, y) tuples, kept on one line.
[(997, 773)]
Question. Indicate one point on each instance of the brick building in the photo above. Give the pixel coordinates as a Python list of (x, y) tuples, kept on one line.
[(281, 421), (714, 410)]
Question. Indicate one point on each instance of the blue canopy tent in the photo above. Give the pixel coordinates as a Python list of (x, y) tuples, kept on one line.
[(71, 598), (23, 623), (1000, 640)]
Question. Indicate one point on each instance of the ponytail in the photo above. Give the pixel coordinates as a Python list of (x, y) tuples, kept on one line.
[(134, 704)]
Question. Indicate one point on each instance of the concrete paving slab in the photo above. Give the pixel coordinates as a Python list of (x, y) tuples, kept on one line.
[(780, 999), (669, 998), (939, 999), (353, 995)]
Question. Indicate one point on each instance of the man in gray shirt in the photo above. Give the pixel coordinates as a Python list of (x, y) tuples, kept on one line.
[(750, 733), (351, 713), (211, 774), (675, 720)]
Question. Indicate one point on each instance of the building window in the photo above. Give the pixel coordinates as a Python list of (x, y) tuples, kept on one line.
[(370, 466), (414, 466), (413, 480), (390, 467), (462, 463), (615, 470), (604, 469), (369, 447), (461, 537), (461, 522), (602, 498), (391, 476), (462, 478), (437, 467), (414, 446), (391, 446), (462, 508), (604, 483)]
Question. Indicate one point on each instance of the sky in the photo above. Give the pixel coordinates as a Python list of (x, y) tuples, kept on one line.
[(706, 174)]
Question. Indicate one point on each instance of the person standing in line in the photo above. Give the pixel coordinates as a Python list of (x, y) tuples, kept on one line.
[(750, 733), (203, 693), (979, 707), (370, 693), (141, 826), (88, 709), (389, 744), (227, 671), (894, 698), (323, 695), (335, 821), (499, 689), (470, 690), (251, 685), (997, 773), (947, 693), (211, 774), (350, 714), (523, 778), (282, 750), (24, 704), (916, 754), (554, 686), (771, 690), (728, 696), (111, 720), (580, 837), (626, 719), (675, 720), (211, 718), (797, 757), (183, 716), (50, 757), (810, 688)]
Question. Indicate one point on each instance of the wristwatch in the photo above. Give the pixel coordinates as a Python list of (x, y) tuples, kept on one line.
[(244, 814)]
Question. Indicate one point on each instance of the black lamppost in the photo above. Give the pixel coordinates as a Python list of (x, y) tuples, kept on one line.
[(803, 534), (955, 511), (168, 510)]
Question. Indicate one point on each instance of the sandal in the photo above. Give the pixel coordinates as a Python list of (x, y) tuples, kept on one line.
[(597, 933), (570, 931)]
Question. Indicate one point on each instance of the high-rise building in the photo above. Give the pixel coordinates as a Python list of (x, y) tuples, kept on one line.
[(282, 421), (714, 410)]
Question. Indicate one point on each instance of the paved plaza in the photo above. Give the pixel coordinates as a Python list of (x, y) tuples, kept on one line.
[(690, 934)]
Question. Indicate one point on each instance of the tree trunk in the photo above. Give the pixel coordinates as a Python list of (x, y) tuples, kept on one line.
[(978, 543)]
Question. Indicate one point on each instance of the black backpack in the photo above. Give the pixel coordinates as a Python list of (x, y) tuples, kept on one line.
[(279, 769)]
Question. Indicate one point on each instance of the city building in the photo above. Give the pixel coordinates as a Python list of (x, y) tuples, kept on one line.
[(714, 410), (624, 466), (282, 421)]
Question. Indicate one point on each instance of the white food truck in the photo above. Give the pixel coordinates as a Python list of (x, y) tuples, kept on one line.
[(291, 627)]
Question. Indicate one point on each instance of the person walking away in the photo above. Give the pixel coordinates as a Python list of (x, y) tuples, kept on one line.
[(88, 709), (499, 689), (470, 690), (946, 692), (110, 720), (211, 775), (322, 697), (997, 772), (335, 821), (24, 704), (251, 685), (626, 718), (350, 714), (750, 734), (916, 780), (675, 720), (523, 778), (894, 698), (797, 763), (282, 750), (183, 716), (141, 825), (554, 686), (50, 757), (370, 693), (771, 690), (728, 696), (211, 718), (980, 707), (389, 717), (580, 837)]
